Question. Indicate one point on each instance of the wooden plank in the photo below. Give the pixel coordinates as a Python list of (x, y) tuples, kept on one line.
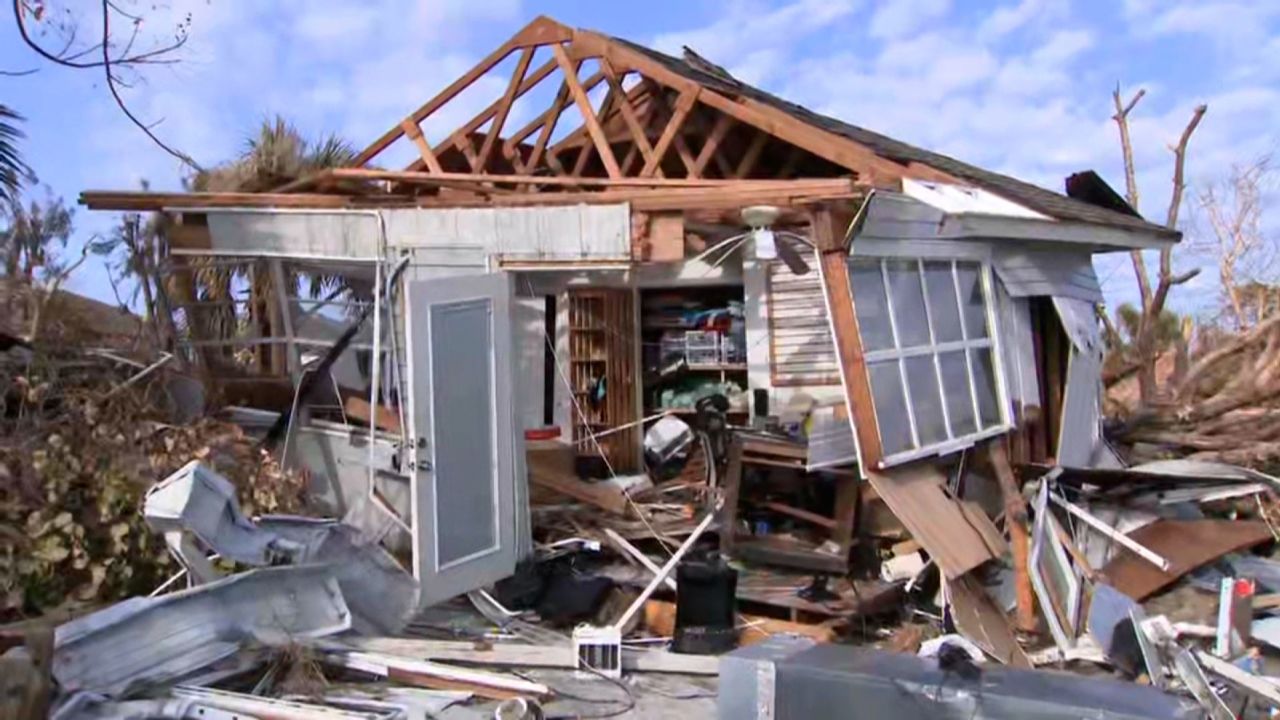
[(500, 119), (584, 153), (435, 103), (1015, 513), (834, 268), (570, 70), (683, 198), (425, 178), (660, 619), (752, 155), (1187, 544), (414, 131), (789, 554), (982, 622), (552, 468), (917, 496), (684, 104), (723, 124), (638, 136), (800, 514), (386, 418)]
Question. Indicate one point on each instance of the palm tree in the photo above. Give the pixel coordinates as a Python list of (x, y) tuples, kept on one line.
[(12, 169), (277, 154)]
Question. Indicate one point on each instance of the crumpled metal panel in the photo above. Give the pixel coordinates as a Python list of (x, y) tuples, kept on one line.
[(148, 641), (199, 501)]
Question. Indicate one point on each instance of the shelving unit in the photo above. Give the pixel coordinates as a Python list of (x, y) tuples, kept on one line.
[(602, 347), (667, 312)]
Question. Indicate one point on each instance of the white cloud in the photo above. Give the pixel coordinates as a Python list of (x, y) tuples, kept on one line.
[(898, 18)]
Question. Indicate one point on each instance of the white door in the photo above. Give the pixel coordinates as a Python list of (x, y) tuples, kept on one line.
[(463, 429)]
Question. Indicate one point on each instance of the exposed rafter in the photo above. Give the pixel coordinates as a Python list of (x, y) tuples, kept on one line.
[(650, 112)]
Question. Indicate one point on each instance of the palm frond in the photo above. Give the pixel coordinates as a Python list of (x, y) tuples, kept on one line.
[(12, 169)]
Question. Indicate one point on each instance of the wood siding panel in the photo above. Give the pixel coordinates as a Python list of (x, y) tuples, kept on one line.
[(801, 351)]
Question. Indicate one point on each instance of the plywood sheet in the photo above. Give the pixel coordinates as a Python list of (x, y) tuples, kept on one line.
[(957, 540), (1186, 544), (980, 620)]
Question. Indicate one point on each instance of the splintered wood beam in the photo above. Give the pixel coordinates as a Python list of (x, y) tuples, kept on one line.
[(684, 104), (414, 132), (508, 99), (570, 70), (712, 145), (749, 158), (638, 138), (828, 236)]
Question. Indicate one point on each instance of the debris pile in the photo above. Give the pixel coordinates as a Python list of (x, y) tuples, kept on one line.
[(1221, 403), (82, 436)]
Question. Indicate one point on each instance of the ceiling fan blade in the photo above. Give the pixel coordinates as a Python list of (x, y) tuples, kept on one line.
[(787, 254)]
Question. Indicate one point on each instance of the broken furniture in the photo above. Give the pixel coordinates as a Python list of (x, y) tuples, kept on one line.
[(766, 452)]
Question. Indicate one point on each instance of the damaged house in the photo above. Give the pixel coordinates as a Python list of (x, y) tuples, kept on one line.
[(517, 308)]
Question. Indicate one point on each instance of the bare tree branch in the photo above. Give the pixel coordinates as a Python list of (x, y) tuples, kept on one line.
[(115, 93), (73, 61), (1131, 185)]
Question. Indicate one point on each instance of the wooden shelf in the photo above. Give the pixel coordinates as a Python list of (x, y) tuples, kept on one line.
[(722, 367)]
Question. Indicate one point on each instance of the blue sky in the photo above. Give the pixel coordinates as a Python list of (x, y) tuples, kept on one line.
[(1018, 86)]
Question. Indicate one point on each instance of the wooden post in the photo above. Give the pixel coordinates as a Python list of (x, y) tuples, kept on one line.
[(834, 265), (1015, 520)]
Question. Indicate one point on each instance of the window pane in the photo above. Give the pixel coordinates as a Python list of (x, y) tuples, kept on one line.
[(922, 384), (869, 299), (975, 314), (955, 388), (984, 382), (891, 406), (907, 298), (942, 301)]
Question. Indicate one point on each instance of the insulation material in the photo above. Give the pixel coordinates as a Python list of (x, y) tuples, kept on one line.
[(1064, 273)]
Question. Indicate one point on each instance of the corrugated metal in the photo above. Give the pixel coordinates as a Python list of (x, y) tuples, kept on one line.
[(1057, 272), (801, 349)]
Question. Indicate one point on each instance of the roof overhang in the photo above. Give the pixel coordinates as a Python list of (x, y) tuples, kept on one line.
[(1101, 238)]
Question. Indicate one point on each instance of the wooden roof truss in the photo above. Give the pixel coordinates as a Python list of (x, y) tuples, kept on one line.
[(632, 118)]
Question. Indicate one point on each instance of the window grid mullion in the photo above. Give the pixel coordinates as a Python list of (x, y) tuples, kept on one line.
[(897, 344), (933, 344), (968, 359)]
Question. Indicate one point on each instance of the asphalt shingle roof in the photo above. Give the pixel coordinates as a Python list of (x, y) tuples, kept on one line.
[(1048, 202)]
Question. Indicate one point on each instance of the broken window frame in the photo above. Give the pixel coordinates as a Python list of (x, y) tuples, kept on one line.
[(934, 349)]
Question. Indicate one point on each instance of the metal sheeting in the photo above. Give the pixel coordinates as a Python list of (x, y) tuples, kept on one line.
[(1018, 347), (1065, 273), (561, 233), (457, 236), (305, 234), (800, 347), (1081, 428)]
